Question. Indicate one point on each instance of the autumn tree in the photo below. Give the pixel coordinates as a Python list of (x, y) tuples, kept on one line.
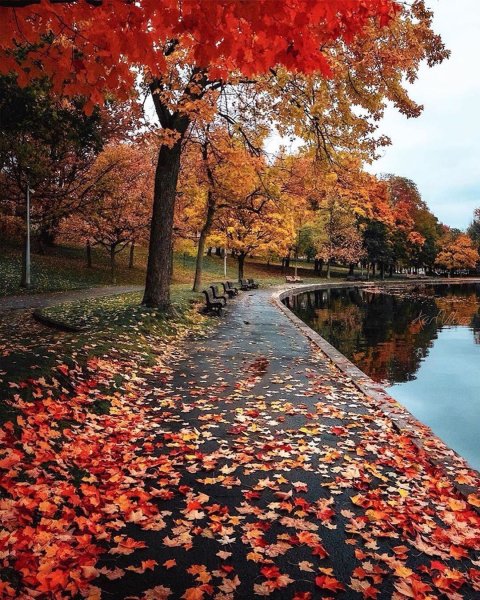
[(474, 229), (118, 210), (429, 227), (249, 232), (188, 55), (306, 241), (377, 244), (50, 142), (221, 171), (342, 112), (257, 219), (334, 225), (457, 252)]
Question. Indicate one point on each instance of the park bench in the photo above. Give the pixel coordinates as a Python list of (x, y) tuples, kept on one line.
[(244, 285), (219, 297), (230, 289), (253, 284), (211, 304)]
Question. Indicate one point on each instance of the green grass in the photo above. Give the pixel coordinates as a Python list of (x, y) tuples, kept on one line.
[(64, 268), (121, 312)]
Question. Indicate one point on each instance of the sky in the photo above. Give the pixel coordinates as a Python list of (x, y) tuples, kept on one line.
[(440, 150)]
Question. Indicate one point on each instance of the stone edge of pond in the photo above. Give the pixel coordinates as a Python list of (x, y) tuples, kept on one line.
[(402, 420)]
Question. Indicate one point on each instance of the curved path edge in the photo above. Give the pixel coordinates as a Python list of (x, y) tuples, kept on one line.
[(403, 421)]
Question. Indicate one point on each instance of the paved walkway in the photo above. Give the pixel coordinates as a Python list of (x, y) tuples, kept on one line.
[(26, 301), (277, 477)]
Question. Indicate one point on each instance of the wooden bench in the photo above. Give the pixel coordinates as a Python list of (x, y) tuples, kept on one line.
[(253, 284), (219, 297), (230, 289), (211, 304), (244, 285)]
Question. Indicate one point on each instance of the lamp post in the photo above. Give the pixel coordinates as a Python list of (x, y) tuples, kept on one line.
[(225, 257), (26, 279), (296, 250)]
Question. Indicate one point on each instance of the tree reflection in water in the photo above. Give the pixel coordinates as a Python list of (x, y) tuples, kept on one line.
[(388, 333)]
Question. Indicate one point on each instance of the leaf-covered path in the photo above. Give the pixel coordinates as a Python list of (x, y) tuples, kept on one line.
[(247, 467), (282, 480)]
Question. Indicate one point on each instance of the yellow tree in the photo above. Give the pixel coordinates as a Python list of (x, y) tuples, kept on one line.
[(270, 230), (219, 173), (335, 233), (457, 252), (257, 219)]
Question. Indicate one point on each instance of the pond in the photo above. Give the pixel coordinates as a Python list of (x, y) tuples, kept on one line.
[(420, 342)]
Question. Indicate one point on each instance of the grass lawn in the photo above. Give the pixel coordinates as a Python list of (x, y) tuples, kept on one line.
[(64, 268)]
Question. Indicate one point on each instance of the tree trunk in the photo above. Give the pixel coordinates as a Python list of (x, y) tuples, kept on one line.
[(89, 255), (132, 256), (197, 282), (241, 265), (351, 269), (328, 269), (46, 237), (382, 270), (159, 266), (112, 264), (209, 251)]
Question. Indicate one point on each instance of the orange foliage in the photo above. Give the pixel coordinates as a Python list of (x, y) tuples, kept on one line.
[(458, 253)]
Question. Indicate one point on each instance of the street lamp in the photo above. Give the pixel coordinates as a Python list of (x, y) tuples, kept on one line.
[(26, 279), (225, 257), (296, 251)]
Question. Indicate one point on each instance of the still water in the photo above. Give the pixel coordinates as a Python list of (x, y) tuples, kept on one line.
[(421, 342)]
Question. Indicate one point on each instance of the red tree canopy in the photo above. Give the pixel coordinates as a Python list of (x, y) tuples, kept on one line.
[(97, 47)]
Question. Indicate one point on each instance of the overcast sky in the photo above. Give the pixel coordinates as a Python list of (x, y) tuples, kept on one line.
[(440, 150)]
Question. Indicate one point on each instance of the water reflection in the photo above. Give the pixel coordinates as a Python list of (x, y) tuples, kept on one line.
[(423, 342), (388, 335)]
